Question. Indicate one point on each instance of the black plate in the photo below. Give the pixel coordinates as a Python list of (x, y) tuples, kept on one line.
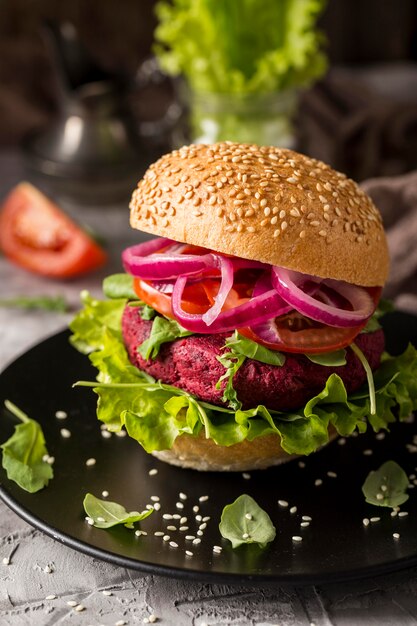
[(335, 546)]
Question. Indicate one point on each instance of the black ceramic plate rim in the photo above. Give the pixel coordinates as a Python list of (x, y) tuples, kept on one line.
[(188, 573)]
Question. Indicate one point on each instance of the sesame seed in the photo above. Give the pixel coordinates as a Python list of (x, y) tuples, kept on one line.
[(166, 538), (248, 516), (332, 474), (176, 516), (196, 541), (396, 535), (245, 536), (318, 482), (173, 544), (190, 537), (159, 533), (153, 472), (301, 464), (79, 608), (198, 518), (182, 496), (374, 519), (341, 441), (293, 509), (155, 498), (120, 622), (199, 533), (89, 521), (167, 516), (202, 526), (367, 452), (90, 462), (302, 234), (47, 569), (51, 597), (297, 538), (61, 415), (284, 225), (322, 233), (189, 553), (203, 498), (6, 560), (183, 520), (105, 434), (157, 506), (306, 518), (152, 618), (121, 433), (403, 514), (179, 505), (107, 592), (72, 603), (171, 528), (206, 518), (65, 433), (380, 436), (183, 528), (304, 524)]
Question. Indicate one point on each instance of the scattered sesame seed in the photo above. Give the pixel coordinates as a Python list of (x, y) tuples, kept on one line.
[(293, 509), (283, 503), (167, 516), (166, 537), (189, 537), (203, 526), (203, 498), (105, 493), (149, 507), (171, 528), (183, 528), (101, 519), (65, 433), (79, 608), (90, 462), (332, 474), (246, 476), (318, 482), (199, 533), (159, 533), (394, 513), (72, 603), (152, 618), (179, 505), (52, 596), (6, 560), (374, 519), (196, 541), (61, 415), (341, 441), (120, 622), (183, 520), (120, 433), (301, 464), (47, 569), (379, 496), (107, 592), (380, 436), (176, 516), (155, 498), (198, 518), (304, 524), (89, 521), (396, 535), (403, 514), (157, 506), (248, 516), (182, 496), (153, 472), (105, 434), (206, 518), (296, 538), (173, 544), (189, 553), (245, 536), (196, 509), (367, 452)]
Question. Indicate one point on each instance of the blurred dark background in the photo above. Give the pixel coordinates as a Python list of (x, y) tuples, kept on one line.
[(376, 40)]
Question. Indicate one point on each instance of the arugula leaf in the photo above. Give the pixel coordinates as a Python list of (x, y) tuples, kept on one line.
[(329, 359), (238, 344), (244, 521), (386, 486), (163, 331), (45, 303), (384, 307), (234, 47), (24, 453), (119, 286), (155, 414), (106, 514), (369, 376), (239, 349), (147, 312)]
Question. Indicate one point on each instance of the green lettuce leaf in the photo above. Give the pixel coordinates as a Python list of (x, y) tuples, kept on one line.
[(236, 47), (156, 414), (243, 521)]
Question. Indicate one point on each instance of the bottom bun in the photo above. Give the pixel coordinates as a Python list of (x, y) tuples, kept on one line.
[(204, 455)]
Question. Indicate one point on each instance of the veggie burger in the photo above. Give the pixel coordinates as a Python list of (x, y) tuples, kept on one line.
[(246, 331)]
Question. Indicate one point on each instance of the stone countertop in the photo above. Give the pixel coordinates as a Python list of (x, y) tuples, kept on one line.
[(24, 583)]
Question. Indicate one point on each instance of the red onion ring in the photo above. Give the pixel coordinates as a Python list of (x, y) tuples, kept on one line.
[(227, 277), (287, 282), (256, 311)]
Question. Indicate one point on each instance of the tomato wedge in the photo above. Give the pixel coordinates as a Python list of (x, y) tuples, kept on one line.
[(37, 235)]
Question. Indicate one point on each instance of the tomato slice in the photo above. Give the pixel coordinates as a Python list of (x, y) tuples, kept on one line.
[(37, 235), (195, 299)]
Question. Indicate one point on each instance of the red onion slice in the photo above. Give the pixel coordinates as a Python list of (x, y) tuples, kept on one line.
[(289, 285), (256, 311), (141, 262), (227, 278)]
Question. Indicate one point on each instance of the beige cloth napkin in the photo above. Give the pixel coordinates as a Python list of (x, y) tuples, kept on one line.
[(396, 198)]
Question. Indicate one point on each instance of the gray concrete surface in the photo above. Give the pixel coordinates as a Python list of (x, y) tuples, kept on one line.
[(25, 585)]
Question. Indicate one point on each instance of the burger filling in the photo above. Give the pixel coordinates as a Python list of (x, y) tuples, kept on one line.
[(194, 340)]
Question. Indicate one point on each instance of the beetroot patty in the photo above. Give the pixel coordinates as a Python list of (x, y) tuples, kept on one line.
[(191, 364)]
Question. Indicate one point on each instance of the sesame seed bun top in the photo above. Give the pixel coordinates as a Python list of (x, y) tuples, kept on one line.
[(264, 203)]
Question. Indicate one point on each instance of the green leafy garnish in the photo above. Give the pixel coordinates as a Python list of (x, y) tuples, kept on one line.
[(31, 303), (24, 453), (156, 414), (384, 307), (147, 312), (244, 521), (238, 46), (119, 286), (163, 331), (369, 375), (386, 486), (330, 359), (240, 348), (106, 514)]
